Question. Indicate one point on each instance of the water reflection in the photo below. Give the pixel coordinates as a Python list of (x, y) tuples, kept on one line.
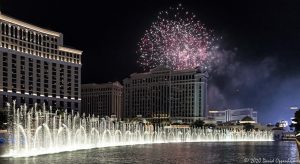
[(226, 152)]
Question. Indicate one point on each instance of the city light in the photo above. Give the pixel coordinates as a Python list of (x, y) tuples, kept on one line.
[(294, 108)]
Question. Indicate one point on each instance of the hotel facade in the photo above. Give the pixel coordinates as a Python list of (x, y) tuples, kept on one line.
[(166, 95), (36, 67), (102, 99)]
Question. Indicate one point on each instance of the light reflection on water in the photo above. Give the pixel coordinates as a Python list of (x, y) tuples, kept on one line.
[(227, 152)]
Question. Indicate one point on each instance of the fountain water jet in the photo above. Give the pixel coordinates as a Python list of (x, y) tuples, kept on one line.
[(34, 132)]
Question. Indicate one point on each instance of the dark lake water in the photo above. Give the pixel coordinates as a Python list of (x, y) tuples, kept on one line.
[(226, 152)]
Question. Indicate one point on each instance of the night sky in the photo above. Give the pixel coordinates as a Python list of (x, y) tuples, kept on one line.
[(261, 44)]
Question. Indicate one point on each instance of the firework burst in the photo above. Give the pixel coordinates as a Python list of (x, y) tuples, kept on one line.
[(177, 40)]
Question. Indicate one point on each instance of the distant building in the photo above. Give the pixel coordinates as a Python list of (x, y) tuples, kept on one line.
[(282, 124), (231, 115), (247, 120), (102, 99), (35, 66), (166, 95)]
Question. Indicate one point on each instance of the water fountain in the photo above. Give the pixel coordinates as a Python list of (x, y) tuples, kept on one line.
[(34, 132)]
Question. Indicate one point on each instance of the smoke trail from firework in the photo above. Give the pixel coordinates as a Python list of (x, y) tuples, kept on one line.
[(177, 40)]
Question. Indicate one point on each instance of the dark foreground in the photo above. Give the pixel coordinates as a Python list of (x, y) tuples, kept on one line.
[(226, 152)]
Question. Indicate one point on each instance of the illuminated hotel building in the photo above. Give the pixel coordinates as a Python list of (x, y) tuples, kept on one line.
[(230, 115), (35, 67), (102, 99), (163, 94)]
